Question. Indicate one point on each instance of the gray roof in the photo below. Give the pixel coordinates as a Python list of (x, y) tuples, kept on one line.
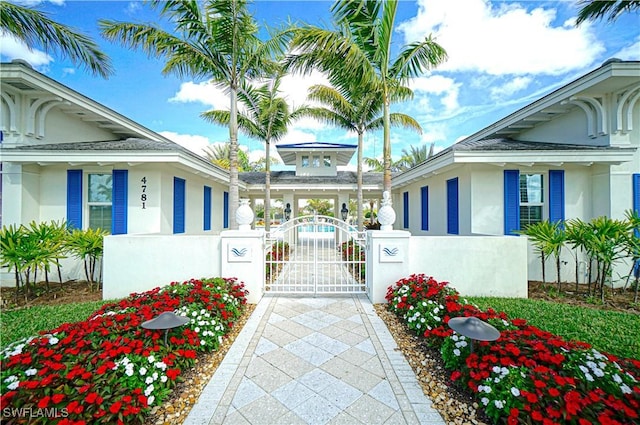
[(289, 177), (506, 144), (130, 144)]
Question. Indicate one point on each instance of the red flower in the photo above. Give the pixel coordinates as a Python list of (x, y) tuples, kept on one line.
[(455, 375), (115, 407), (57, 398), (44, 402)]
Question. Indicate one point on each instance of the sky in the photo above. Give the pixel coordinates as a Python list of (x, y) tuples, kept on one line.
[(502, 55)]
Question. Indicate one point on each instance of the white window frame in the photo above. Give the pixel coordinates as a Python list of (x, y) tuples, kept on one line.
[(542, 203), (88, 203)]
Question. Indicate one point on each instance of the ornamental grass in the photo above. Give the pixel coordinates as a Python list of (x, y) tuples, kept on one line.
[(108, 369), (528, 375)]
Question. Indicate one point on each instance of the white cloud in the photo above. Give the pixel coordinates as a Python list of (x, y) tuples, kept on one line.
[(509, 88), (295, 87), (11, 48), (446, 89), (297, 136), (133, 7), (205, 93), (68, 71), (503, 38), (631, 52), (195, 143)]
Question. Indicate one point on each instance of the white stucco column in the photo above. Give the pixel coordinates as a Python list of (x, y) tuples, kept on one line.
[(11, 193), (243, 258), (387, 261)]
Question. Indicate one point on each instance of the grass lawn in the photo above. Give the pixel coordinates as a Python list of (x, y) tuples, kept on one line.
[(611, 331), (26, 322)]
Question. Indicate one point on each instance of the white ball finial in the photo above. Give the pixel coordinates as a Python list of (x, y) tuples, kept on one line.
[(244, 215), (386, 214)]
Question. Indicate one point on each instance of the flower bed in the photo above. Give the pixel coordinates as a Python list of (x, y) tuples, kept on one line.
[(354, 255), (527, 375), (108, 369)]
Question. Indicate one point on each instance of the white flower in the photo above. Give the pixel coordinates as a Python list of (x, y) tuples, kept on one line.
[(150, 400), (30, 372), (454, 337), (53, 340), (129, 372), (161, 366), (151, 359), (625, 389), (12, 378), (197, 329), (149, 380), (155, 375), (515, 392), (148, 390), (496, 369), (163, 378), (143, 370), (589, 377), (617, 378), (499, 403), (12, 386), (202, 342), (484, 400), (583, 369), (598, 372), (456, 352)]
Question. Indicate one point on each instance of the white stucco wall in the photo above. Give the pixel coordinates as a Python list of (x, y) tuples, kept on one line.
[(474, 265), (137, 263)]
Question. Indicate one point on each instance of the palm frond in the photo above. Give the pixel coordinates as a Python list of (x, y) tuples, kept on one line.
[(36, 29)]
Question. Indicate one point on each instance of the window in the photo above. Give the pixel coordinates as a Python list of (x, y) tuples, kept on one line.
[(327, 161), (531, 199), (316, 161), (305, 161), (99, 201)]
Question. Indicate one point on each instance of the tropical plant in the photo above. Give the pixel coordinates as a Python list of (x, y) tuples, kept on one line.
[(11, 252), (632, 248), (219, 155), (353, 107), (87, 245), (377, 164), (542, 236), (362, 45), (318, 206), (49, 239), (217, 40), (593, 10), (265, 118), (416, 156), (577, 234), (35, 29), (606, 244)]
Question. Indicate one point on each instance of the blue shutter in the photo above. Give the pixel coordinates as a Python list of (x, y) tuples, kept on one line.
[(556, 196), (74, 199), (207, 208), (225, 210), (405, 210), (424, 198), (178, 205), (119, 206), (511, 202), (452, 207)]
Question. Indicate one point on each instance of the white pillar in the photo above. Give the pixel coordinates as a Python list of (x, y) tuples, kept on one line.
[(387, 261), (243, 258)]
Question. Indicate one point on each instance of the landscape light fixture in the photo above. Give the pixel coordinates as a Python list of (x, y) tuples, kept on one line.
[(344, 211), (474, 328), (287, 212), (165, 321)]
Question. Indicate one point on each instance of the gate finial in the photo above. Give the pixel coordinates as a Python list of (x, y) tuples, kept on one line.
[(386, 214)]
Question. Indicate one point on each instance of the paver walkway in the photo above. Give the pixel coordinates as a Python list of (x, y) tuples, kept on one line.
[(328, 360)]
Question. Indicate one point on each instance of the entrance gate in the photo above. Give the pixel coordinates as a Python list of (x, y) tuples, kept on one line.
[(315, 255)]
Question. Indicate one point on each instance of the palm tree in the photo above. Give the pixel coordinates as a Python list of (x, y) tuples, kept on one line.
[(357, 110), (266, 118), (362, 45), (219, 155), (377, 165), (416, 156), (217, 40), (598, 9), (34, 28)]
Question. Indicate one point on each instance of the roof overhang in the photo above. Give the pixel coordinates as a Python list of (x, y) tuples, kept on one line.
[(452, 159), (129, 158), (288, 152)]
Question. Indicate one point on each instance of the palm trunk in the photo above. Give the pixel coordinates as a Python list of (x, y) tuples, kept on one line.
[(558, 272), (267, 188), (577, 270), (59, 272), (386, 147), (234, 197), (359, 177), (544, 278)]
